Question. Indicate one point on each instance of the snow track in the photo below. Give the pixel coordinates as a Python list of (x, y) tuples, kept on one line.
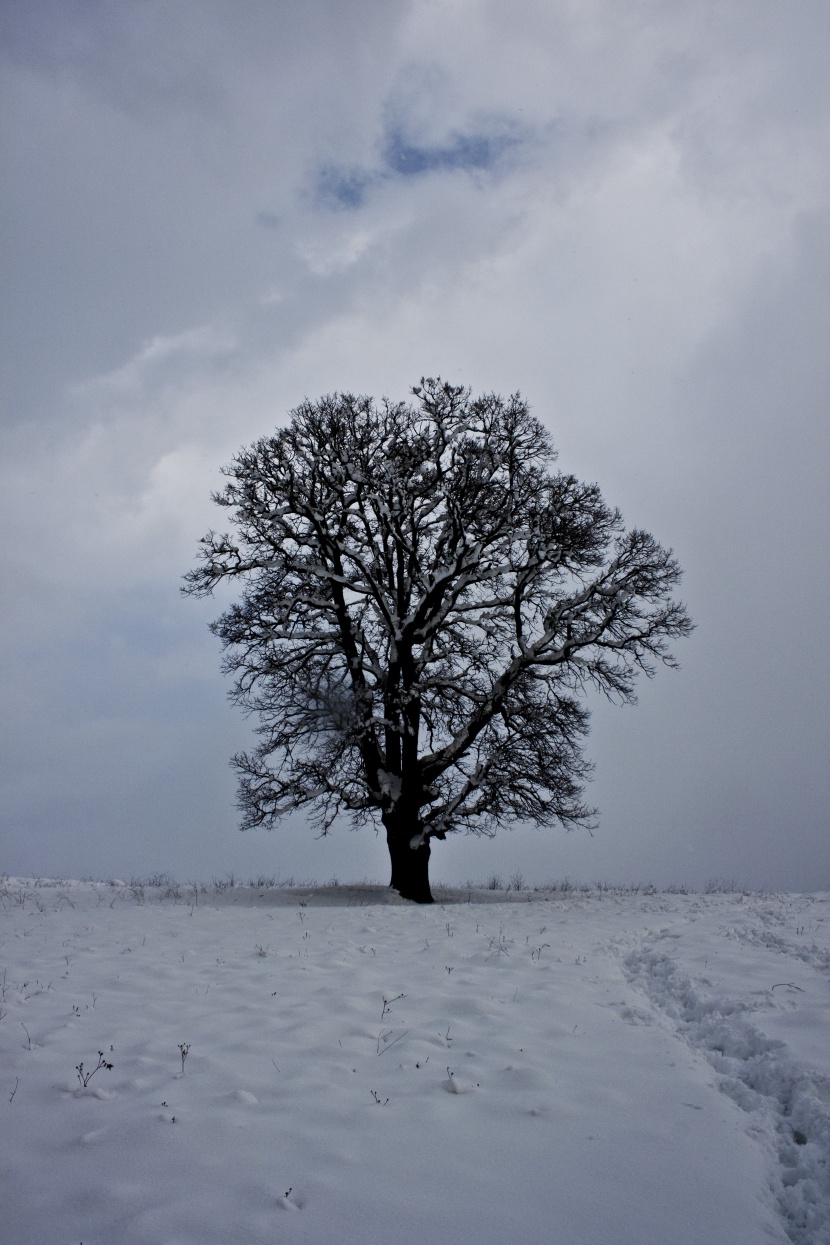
[(786, 1099)]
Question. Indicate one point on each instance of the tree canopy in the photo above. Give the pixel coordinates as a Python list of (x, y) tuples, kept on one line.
[(423, 606)]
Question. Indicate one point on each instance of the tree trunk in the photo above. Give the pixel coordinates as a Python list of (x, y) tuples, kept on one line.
[(410, 866)]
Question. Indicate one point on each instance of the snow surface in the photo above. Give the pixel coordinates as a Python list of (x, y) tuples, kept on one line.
[(634, 1069)]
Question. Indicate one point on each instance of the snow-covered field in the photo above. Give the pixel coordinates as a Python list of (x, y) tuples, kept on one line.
[(335, 1066)]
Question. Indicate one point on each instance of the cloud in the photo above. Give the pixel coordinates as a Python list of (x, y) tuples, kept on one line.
[(618, 209), (164, 354)]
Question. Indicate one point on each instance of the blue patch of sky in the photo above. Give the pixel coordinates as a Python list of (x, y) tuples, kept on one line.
[(346, 188), (343, 187), (466, 151)]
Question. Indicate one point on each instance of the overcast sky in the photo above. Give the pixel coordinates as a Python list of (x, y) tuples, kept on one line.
[(212, 209)]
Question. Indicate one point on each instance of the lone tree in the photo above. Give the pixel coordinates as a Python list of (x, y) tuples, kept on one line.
[(423, 606)]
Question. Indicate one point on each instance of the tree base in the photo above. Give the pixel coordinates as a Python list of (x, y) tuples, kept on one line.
[(414, 897), (410, 870)]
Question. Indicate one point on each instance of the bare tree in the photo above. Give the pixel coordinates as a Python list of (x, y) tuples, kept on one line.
[(423, 607)]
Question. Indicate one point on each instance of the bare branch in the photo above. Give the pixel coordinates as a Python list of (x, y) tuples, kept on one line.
[(424, 603)]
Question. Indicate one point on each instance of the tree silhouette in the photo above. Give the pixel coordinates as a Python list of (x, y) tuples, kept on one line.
[(424, 605)]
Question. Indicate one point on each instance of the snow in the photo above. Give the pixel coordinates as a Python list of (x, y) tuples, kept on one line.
[(334, 1064)]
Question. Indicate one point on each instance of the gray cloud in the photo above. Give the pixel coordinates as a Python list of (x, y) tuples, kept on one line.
[(620, 210)]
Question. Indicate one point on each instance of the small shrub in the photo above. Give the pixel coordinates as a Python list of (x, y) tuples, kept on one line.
[(723, 886), (86, 1077), (159, 881)]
